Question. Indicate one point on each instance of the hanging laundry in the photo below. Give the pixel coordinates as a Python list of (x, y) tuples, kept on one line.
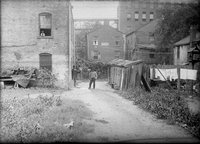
[(188, 74), (169, 74)]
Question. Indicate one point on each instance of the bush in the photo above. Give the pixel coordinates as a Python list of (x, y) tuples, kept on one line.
[(20, 118), (168, 105)]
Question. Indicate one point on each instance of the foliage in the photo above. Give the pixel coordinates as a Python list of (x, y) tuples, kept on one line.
[(46, 77), (20, 118), (174, 24), (168, 105), (43, 119), (100, 67)]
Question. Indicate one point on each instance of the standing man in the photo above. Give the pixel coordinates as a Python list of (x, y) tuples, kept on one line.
[(75, 72), (92, 77)]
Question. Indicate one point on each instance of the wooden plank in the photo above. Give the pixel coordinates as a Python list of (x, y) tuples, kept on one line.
[(146, 85), (178, 82), (2, 80)]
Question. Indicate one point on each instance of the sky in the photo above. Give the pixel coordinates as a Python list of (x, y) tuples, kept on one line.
[(94, 10)]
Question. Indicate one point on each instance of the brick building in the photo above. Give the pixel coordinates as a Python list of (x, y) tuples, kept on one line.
[(133, 14), (138, 20), (38, 33), (104, 44)]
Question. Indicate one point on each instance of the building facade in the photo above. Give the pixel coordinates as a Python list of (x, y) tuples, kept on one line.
[(38, 33), (140, 44), (133, 14), (105, 44)]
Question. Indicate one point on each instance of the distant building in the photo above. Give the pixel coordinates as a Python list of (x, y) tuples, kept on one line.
[(38, 33), (133, 14), (140, 44), (105, 44), (82, 27), (181, 49)]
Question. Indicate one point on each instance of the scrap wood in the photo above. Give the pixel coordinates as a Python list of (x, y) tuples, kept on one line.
[(23, 80), (146, 85)]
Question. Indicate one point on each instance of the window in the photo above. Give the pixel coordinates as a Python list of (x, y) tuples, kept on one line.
[(151, 55), (128, 16), (96, 55), (151, 16), (117, 43), (45, 61), (117, 54), (45, 24), (95, 42), (136, 16), (104, 43), (144, 16), (151, 38)]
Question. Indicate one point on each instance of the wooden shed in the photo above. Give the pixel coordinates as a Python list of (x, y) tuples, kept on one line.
[(125, 74)]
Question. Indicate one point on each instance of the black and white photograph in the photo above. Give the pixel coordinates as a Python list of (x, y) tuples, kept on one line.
[(100, 71)]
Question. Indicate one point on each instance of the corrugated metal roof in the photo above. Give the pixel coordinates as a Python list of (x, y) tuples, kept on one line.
[(123, 63)]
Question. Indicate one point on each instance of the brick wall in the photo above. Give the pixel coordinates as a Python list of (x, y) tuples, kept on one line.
[(20, 36), (104, 35)]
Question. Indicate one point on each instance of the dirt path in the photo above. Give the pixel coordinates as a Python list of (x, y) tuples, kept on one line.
[(117, 119)]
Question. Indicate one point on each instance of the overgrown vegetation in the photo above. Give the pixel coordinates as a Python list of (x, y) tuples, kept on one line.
[(173, 25), (166, 104), (42, 119), (100, 67)]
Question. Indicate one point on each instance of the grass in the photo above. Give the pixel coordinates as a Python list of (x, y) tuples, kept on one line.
[(168, 105), (43, 119)]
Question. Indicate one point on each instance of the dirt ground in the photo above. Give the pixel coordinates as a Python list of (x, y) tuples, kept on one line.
[(114, 118)]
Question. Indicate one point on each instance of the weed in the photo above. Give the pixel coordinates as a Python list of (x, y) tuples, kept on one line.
[(166, 104)]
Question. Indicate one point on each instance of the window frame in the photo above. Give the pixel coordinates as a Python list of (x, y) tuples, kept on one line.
[(128, 16), (136, 16), (95, 42), (117, 53), (39, 24), (117, 43), (144, 14), (152, 55), (151, 16)]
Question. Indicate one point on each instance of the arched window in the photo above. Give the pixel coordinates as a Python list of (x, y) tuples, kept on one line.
[(45, 24), (46, 61)]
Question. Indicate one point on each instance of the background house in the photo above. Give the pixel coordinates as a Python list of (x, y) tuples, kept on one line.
[(140, 44), (40, 34), (105, 44), (181, 49)]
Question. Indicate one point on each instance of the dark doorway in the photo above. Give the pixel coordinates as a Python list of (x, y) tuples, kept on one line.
[(46, 61)]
